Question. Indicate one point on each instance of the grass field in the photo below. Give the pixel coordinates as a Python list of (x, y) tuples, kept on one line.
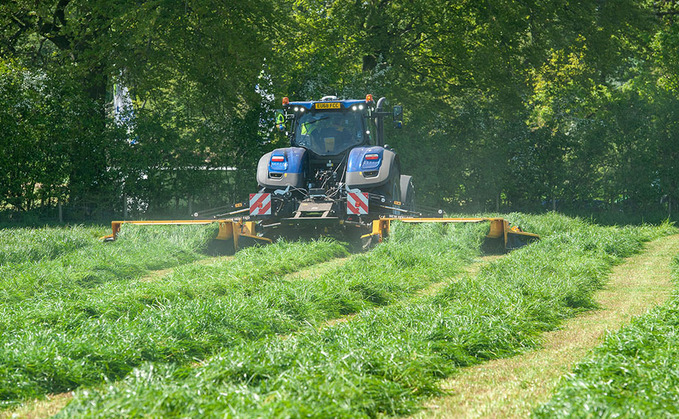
[(240, 336), (60, 338), (634, 373), (88, 317), (513, 387)]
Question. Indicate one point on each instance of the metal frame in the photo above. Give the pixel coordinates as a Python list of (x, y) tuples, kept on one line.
[(234, 229)]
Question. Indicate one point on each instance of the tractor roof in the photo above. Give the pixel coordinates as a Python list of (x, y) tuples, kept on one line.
[(330, 102)]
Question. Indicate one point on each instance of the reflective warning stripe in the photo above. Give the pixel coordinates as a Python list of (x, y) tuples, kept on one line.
[(357, 202), (260, 204)]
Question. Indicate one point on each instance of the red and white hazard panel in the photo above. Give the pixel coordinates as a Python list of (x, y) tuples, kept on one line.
[(357, 202), (260, 204)]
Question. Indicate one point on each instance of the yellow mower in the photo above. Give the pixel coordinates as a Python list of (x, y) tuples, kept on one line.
[(238, 233)]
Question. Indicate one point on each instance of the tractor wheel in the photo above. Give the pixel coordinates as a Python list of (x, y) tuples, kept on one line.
[(392, 190), (407, 193)]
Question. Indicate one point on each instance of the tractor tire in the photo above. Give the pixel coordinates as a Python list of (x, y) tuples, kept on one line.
[(392, 189), (407, 193)]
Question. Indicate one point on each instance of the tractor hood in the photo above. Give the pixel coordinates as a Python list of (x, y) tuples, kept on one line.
[(281, 168)]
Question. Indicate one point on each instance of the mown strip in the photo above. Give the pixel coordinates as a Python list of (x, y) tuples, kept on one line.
[(198, 310), (512, 387), (634, 373), (386, 361)]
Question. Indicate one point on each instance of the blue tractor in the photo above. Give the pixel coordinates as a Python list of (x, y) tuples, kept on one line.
[(338, 174)]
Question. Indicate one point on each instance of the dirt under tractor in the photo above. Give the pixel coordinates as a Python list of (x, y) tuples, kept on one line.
[(338, 177)]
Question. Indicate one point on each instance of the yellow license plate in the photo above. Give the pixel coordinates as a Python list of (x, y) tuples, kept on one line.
[(330, 105)]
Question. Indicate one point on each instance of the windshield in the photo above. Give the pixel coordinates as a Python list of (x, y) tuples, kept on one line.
[(329, 133)]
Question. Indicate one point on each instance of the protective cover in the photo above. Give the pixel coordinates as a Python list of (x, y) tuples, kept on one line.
[(366, 170), (281, 168)]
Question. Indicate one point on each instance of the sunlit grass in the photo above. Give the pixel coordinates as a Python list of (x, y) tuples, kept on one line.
[(386, 360), (56, 341), (634, 373), (87, 333), (19, 245), (57, 270)]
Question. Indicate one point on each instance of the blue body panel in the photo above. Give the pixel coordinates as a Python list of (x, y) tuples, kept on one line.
[(294, 159), (358, 163)]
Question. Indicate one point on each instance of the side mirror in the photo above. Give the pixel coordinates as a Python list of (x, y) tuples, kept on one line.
[(398, 116), (280, 120)]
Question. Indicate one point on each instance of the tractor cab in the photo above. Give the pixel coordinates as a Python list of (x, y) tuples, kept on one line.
[(329, 128), (330, 133)]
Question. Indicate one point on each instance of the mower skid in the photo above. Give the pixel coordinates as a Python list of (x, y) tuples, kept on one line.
[(512, 237)]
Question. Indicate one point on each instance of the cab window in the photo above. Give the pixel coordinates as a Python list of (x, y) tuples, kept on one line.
[(329, 133)]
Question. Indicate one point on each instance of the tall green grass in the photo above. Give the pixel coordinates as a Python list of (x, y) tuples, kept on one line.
[(100, 333), (58, 270), (56, 342), (19, 245), (385, 361), (634, 373)]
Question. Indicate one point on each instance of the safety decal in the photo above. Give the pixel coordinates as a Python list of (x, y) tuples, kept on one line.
[(357, 202), (260, 204)]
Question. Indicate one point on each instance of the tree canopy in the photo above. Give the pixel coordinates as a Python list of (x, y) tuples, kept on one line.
[(509, 104)]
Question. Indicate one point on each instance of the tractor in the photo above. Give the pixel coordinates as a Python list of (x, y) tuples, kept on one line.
[(338, 173)]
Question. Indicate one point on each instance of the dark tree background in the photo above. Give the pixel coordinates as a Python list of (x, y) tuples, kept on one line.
[(510, 105)]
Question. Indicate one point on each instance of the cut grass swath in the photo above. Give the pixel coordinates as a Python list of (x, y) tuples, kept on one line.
[(197, 310), (385, 361), (56, 344), (57, 271)]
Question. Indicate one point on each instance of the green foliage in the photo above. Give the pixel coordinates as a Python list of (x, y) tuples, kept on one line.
[(192, 113), (42, 121), (385, 361), (546, 105)]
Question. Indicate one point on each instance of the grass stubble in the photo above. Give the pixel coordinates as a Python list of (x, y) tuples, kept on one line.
[(635, 371)]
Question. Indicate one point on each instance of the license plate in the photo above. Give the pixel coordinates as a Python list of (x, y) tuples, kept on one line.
[(329, 105)]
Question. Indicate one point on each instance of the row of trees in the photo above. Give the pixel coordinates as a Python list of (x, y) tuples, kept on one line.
[(510, 104)]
